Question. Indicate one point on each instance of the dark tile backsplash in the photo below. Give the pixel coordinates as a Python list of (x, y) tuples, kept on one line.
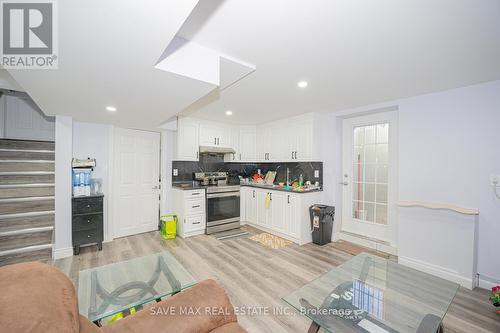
[(216, 163)]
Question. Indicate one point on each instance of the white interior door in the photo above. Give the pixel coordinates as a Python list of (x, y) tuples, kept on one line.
[(136, 181), (370, 176)]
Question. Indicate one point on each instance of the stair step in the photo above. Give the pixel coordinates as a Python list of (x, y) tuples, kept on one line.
[(26, 190), (26, 205), (27, 145), (26, 237), (28, 165), (31, 253), (27, 179), (18, 154), (27, 221)]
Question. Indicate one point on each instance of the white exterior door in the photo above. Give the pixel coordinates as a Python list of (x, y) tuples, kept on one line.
[(135, 181), (370, 176)]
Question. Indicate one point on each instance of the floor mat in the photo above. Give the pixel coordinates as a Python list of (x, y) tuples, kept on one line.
[(271, 241)]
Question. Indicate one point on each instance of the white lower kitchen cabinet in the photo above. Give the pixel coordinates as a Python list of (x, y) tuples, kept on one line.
[(286, 214), (189, 206)]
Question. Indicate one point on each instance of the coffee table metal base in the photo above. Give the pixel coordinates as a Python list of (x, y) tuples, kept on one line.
[(143, 288)]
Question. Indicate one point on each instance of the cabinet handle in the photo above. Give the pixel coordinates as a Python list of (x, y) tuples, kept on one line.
[(197, 206), (254, 193), (197, 222), (270, 196), (215, 141), (88, 236), (288, 198), (88, 206), (88, 221), (197, 155), (240, 156), (292, 155)]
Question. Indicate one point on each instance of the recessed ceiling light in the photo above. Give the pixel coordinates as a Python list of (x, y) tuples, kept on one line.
[(229, 113), (110, 108), (302, 84)]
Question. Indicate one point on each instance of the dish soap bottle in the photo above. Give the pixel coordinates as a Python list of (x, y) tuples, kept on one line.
[(301, 180)]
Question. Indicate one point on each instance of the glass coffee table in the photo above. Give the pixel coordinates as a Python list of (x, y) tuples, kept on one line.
[(375, 295), (107, 290)]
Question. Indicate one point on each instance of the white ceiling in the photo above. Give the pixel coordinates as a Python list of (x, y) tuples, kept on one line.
[(352, 53), (107, 53)]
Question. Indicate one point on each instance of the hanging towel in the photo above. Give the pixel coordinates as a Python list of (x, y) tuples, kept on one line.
[(267, 203)]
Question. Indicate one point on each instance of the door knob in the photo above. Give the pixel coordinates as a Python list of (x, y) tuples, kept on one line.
[(155, 187)]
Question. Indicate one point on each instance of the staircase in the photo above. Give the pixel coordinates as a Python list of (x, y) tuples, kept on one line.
[(26, 201)]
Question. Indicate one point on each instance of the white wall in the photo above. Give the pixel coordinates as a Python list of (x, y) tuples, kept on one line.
[(22, 119), (167, 156), (448, 148), (64, 152), (93, 140)]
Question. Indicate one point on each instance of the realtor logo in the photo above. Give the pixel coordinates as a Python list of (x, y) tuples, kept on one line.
[(29, 36)]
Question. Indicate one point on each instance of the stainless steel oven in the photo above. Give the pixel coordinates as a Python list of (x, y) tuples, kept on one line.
[(223, 208)]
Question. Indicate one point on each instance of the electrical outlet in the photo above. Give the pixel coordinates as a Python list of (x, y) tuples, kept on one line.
[(316, 173), (176, 172)]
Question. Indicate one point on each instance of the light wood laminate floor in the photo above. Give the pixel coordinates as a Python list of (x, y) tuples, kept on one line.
[(254, 275)]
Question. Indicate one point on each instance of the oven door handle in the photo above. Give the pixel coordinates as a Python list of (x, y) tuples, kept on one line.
[(223, 195)]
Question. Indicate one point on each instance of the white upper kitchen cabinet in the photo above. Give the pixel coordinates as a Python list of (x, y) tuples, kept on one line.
[(187, 140), (215, 134), (247, 150), (235, 144), (288, 140), (271, 142), (300, 138)]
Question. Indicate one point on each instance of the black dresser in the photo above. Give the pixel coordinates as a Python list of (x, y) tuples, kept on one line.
[(87, 221)]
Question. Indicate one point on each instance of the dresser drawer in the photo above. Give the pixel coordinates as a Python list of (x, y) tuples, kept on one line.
[(87, 205), (87, 236), (194, 194), (193, 223), (194, 206), (87, 222)]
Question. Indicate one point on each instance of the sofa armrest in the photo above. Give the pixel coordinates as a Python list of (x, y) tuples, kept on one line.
[(201, 308)]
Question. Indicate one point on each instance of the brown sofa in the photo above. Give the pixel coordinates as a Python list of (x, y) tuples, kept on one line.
[(36, 297)]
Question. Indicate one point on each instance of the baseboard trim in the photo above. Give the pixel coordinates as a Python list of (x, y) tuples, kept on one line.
[(438, 271), (369, 243), (62, 253), (488, 282)]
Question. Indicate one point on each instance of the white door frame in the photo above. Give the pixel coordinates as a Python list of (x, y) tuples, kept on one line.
[(388, 245)]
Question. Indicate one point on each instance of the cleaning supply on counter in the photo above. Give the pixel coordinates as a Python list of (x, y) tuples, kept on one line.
[(301, 180)]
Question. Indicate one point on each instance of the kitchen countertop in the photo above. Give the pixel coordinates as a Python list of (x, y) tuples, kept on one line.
[(279, 188), (188, 186), (193, 186)]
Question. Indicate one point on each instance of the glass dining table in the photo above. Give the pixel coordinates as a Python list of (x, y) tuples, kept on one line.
[(372, 294)]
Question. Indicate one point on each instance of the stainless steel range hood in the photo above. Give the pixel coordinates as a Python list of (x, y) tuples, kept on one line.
[(216, 150)]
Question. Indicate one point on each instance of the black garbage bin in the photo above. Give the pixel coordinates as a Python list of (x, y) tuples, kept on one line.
[(322, 223)]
